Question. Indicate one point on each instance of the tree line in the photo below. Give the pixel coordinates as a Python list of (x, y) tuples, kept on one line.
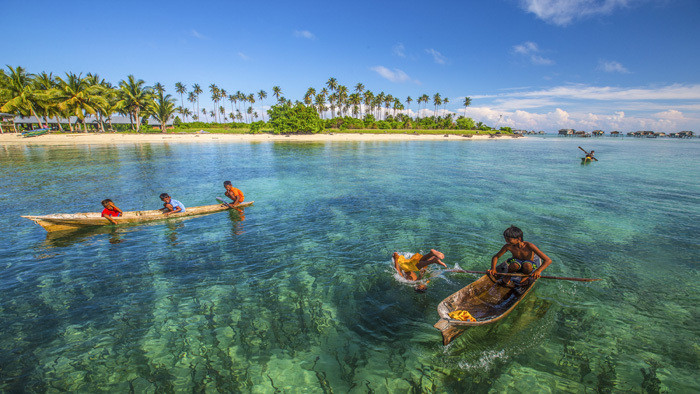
[(48, 97)]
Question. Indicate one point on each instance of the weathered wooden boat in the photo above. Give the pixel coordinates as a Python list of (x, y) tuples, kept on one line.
[(486, 301), (75, 221)]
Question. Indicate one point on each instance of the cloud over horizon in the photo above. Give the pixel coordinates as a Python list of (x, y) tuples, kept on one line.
[(438, 57), (530, 50), (612, 67), (394, 75), (304, 34), (563, 12)]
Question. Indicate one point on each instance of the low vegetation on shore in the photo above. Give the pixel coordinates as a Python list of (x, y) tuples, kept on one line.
[(53, 100)]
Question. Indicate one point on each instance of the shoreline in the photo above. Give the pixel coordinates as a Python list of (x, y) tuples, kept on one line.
[(117, 138)]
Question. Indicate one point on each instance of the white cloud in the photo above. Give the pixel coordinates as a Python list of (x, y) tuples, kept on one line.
[(243, 56), (612, 67), (304, 34), (437, 56), (394, 75), (194, 33), (399, 50), (530, 50), (563, 12)]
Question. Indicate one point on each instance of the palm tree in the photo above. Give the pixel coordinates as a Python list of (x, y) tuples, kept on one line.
[(214, 90), (332, 84), (262, 95), (445, 101), (158, 87), (22, 98), (45, 83), (408, 104), (197, 90), (191, 97), (436, 101), (162, 107), (133, 98), (76, 95), (467, 102), (320, 102), (204, 112), (181, 89), (277, 92), (251, 100)]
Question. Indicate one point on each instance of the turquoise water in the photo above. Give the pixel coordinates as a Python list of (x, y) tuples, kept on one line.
[(300, 295)]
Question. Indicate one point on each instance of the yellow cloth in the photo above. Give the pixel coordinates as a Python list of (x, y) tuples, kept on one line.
[(409, 265), (462, 315)]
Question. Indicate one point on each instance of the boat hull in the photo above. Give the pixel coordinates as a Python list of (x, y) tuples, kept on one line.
[(484, 299), (75, 221)]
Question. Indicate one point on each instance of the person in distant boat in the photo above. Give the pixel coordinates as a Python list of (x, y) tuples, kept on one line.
[(110, 210), (234, 194), (590, 155), (411, 267), (171, 205), (527, 258)]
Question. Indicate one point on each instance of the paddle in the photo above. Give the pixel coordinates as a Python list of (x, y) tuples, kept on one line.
[(587, 154), (523, 275)]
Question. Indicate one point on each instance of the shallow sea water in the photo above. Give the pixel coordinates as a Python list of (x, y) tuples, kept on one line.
[(300, 294)]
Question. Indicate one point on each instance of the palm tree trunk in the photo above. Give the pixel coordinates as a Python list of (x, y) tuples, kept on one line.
[(110, 124), (58, 121), (70, 124), (37, 118), (138, 120)]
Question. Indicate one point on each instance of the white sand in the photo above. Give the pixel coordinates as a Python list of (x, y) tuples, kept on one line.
[(115, 138)]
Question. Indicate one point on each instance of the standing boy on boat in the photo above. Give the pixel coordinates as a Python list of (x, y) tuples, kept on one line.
[(110, 210), (234, 194), (170, 205), (527, 258)]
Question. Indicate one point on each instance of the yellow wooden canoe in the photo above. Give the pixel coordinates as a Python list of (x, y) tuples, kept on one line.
[(75, 221)]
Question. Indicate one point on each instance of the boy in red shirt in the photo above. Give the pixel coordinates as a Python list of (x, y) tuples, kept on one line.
[(234, 194), (110, 210)]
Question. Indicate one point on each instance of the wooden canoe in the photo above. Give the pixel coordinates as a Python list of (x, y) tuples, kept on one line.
[(484, 299), (75, 221)]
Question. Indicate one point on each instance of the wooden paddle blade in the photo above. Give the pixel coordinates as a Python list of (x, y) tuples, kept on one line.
[(522, 275)]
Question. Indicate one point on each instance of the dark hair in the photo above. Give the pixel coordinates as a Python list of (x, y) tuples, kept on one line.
[(105, 201), (163, 195), (513, 232), (227, 183)]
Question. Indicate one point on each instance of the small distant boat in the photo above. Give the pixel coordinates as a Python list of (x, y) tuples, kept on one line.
[(75, 221), (585, 160), (34, 133), (485, 300)]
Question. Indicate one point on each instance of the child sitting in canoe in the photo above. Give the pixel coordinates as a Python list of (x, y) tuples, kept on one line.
[(170, 205), (110, 210), (408, 268), (234, 194), (527, 258)]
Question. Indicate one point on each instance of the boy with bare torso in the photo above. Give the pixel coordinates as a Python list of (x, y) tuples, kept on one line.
[(527, 258)]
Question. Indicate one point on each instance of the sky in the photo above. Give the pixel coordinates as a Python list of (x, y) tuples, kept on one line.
[(623, 65)]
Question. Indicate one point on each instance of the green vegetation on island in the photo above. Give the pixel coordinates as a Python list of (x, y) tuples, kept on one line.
[(52, 101)]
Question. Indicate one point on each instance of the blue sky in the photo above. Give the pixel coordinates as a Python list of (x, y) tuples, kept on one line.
[(535, 64)]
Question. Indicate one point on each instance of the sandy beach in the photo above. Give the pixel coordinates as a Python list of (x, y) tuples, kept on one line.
[(116, 138)]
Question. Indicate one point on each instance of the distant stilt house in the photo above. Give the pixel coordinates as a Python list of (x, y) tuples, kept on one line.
[(686, 134), (581, 133), (7, 123), (566, 132), (597, 133), (541, 132), (615, 133)]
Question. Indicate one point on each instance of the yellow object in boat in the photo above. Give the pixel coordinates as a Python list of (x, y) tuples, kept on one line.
[(462, 315)]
